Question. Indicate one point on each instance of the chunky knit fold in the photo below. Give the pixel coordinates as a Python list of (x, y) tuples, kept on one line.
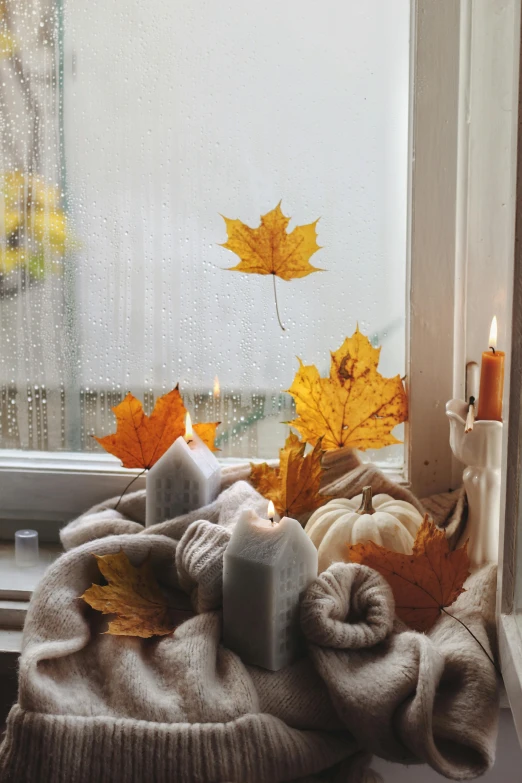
[(43, 748), (348, 606), (199, 562)]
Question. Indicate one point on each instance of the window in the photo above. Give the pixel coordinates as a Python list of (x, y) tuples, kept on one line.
[(116, 279), (153, 120)]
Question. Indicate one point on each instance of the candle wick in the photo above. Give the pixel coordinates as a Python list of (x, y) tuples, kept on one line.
[(491, 348), (272, 520), (470, 418)]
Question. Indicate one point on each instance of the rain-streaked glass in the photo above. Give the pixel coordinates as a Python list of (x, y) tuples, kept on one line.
[(127, 129)]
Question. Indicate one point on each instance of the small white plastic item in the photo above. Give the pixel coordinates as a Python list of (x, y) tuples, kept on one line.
[(26, 548)]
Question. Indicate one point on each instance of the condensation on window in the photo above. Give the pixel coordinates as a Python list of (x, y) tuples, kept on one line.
[(127, 131)]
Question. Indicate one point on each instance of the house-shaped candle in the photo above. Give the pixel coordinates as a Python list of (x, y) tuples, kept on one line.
[(186, 477), (266, 569)]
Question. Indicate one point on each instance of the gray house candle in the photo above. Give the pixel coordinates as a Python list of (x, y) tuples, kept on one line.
[(186, 477), (267, 567)]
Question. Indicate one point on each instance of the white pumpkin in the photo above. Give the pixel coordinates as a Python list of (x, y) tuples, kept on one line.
[(391, 523)]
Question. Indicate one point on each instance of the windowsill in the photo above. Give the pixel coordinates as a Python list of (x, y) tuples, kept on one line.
[(10, 642), (46, 490), (510, 647), (16, 583), (16, 587)]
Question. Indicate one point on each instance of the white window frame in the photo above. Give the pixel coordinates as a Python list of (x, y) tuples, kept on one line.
[(509, 599), (434, 106), (510, 578)]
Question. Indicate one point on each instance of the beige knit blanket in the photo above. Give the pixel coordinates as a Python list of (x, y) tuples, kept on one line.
[(93, 707)]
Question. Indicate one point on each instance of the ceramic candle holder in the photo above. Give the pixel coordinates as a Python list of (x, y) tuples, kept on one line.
[(480, 450)]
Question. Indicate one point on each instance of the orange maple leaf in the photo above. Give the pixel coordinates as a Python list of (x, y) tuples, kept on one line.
[(355, 406), (293, 487), (270, 250), (134, 596), (424, 582), (140, 440)]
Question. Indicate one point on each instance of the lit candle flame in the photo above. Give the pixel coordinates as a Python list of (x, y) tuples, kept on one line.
[(189, 433), (493, 334), (217, 387), (271, 511)]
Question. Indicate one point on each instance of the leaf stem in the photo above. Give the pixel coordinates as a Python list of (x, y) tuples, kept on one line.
[(128, 486), (477, 641), (277, 306)]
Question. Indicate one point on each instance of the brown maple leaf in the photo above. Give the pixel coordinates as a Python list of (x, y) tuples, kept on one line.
[(355, 406), (134, 596), (424, 582), (270, 250), (140, 440), (293, 487)]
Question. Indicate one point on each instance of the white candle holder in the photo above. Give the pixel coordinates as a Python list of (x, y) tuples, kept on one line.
[(481, 451)]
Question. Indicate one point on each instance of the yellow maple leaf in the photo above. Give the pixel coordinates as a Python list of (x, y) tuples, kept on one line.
[(207, 432), (134, 596), (270, 250), (424, 582), (293, 487), (355, 406)]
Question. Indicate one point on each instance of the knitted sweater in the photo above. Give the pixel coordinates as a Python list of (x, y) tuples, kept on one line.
[(93, 707)]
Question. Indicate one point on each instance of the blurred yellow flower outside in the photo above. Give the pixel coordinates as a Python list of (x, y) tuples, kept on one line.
[(7, 41), (32, 224), (7, 44)]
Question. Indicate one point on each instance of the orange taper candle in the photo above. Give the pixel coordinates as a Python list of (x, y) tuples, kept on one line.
[(491, 380)]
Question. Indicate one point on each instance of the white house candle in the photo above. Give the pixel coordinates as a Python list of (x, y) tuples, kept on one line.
[(186, 477), (267, 566)]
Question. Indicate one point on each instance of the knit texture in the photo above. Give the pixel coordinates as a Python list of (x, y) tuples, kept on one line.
[(199, 563), (429, 697), (93, 707), (347, 591)]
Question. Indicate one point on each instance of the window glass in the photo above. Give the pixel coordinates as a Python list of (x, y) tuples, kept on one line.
[(129, 129)]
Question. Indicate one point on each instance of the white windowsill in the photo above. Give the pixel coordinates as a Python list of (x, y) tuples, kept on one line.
[(16, 583), (48, 489), (16, 588), (10, 642)]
